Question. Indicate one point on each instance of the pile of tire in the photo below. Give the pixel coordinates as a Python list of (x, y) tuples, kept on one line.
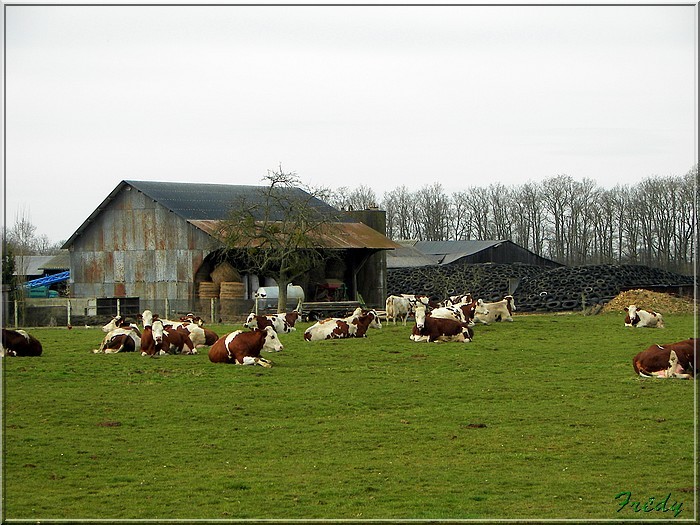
[(534, 288)]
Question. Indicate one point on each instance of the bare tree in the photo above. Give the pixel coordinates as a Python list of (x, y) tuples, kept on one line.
[(280, 233), (555, 199), (500, 198), (400, 207), (481, 220), (460, 215), (432, 209)]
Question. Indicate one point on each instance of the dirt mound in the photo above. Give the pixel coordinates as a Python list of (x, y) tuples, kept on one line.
[(659, 302)]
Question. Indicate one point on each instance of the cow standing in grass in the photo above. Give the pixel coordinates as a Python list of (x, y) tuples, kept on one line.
[(397, 306)]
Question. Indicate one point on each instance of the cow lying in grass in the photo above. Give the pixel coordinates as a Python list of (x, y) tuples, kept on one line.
[(499, 311), (643, 318), (281, 323), (462, 312), (18, 343), (434, 329), (673, 360), (355, 325), (243, 348), (125, 339)]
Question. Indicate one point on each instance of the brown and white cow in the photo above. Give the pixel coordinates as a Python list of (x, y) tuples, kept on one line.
[(168, 340), (643, 318), (117, 322), (282, 323), (127, 338), (397, 306), (19, 343), (343, 328), (433, 329), (499, 311), (462, 312), (456, 299), (243, 348), (673, 360), (210, 336)]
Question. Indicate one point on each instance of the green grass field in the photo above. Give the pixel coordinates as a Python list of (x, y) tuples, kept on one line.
[(535, 419)]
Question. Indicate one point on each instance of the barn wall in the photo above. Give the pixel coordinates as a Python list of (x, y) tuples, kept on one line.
[(137, 248)]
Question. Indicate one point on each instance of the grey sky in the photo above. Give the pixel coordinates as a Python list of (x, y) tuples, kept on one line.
[(344, 96)]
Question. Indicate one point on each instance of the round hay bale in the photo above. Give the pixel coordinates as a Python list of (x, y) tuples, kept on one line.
[(208, 290), (224, 272), (231, 290)]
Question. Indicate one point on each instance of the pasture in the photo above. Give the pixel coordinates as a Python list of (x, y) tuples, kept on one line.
[(542, 418)]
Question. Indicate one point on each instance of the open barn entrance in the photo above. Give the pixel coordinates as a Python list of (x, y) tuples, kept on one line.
[(344, 275)]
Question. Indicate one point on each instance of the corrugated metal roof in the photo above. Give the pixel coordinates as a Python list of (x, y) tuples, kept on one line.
[(214, 201), (342, 236), (60, 261), (31, 264), (408, 257), (449, 251), (200, 201)]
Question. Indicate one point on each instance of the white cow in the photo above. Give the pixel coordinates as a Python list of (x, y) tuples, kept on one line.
[(643, 318), (499, 311), (397, 307)]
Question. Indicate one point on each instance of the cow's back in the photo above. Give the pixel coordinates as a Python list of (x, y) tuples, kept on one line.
[(656, 357), (20, 343), (233, 347)]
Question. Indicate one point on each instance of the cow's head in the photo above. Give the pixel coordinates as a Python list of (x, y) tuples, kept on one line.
[(250, 321), (113, 324), (481, 308), (420, 315), (510, 303), (147, 318), (272, 342), (157, 329), (632, 316), (375, 322)]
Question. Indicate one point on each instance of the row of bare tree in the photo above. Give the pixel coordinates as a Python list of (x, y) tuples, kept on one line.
[(651, 222)]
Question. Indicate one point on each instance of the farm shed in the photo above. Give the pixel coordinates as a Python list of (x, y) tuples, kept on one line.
[(475, 252), (151, 241)]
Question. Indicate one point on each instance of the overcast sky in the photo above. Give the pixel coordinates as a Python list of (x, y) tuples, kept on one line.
[(344, 96)]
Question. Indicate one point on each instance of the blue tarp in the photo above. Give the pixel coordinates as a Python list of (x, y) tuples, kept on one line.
[(48, 280)]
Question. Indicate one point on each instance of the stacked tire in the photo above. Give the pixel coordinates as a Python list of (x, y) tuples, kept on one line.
[(536, 288)]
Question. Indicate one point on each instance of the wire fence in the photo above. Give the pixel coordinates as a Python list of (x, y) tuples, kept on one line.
[(28, 312)]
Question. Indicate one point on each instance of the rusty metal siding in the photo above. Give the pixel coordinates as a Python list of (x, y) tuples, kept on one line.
[(118, 266), (135, 247)]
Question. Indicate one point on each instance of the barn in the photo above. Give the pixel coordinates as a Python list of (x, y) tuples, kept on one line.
[(151, 241), (428, 253)]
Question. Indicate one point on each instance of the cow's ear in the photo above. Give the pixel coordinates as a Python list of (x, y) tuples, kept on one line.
[(626, 309)]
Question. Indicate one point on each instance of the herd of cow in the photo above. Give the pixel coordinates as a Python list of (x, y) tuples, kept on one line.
[(448, 321)]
